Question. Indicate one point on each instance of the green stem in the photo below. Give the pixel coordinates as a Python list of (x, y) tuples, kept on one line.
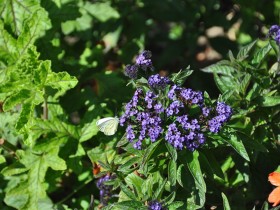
[(72, 193)]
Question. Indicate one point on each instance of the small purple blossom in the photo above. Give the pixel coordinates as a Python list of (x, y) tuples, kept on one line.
[(158, 82), (172, 92), (274, 32), (174, 108), (104, 190), (224, 113), (143, 60), (131, 71), (155, 205), (191, 96)]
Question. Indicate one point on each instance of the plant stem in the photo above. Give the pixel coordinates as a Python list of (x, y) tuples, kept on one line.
[(74, 191), (8, 146), (45, 108)]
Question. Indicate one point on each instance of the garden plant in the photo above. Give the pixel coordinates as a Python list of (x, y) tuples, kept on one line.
[(111, 105)]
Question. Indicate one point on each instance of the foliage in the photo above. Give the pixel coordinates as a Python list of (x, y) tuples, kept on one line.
[(61, 67)]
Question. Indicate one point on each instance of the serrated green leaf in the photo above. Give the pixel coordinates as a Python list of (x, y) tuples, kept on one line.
[(172, 172), (244, 52), (225, 202), (25, 115), (56, 126), (244, 84), (61, 81), (261, 54), (16, 99)]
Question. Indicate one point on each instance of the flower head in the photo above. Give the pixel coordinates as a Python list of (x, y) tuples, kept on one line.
[(158, 82), (155, 205), (144, 60), (274, 196), (105, 190), (274, 32), (131, 71)]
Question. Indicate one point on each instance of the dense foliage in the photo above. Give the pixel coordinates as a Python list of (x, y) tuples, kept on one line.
[(184, 141)]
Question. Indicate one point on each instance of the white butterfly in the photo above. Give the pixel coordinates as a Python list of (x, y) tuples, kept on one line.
[(108, 125)]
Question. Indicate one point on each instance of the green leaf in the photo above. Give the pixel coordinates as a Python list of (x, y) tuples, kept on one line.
[(225, 202), (16, 99), (222, 67), (126, 205), (261, 54), (268, 101), (56, 126), (172, 151), (245, 83), (61, 81), (175, 205), (237, 145), (128, 164), (191, 160), (148, 153), (88, 131), (136, 182), (29, 192), (102, 11), (159, 190), (172, 172), (25, 115), (244, 52), (180, 77), (128, 192)]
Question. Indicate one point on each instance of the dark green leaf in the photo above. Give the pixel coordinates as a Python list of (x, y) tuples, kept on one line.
[(128, 192), (172, 151), (172, 172), (180, 77), (175, 205), (261, 54), (225, 202), (268, 101), (244, 52)]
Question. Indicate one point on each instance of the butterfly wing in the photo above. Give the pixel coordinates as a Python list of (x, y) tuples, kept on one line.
[(108, 125)]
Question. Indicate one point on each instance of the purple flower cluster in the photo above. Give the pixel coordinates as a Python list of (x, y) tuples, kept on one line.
[(143, 61), (185, 132), (223, 114), (105, 190), (155, 205), (170, 117), (158, 82), (274, 32), (142, 118)]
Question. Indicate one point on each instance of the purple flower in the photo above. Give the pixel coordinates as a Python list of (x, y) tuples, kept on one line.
[(142, 119), (143, 60), (172, 92), (131, 71), (224, 113), (206, 111), (191, 96), (105, 190), (273, 30), (174, 108), (155, 205), (156, 81)]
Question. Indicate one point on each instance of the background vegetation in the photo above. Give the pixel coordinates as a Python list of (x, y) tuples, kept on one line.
[(61, 69)]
